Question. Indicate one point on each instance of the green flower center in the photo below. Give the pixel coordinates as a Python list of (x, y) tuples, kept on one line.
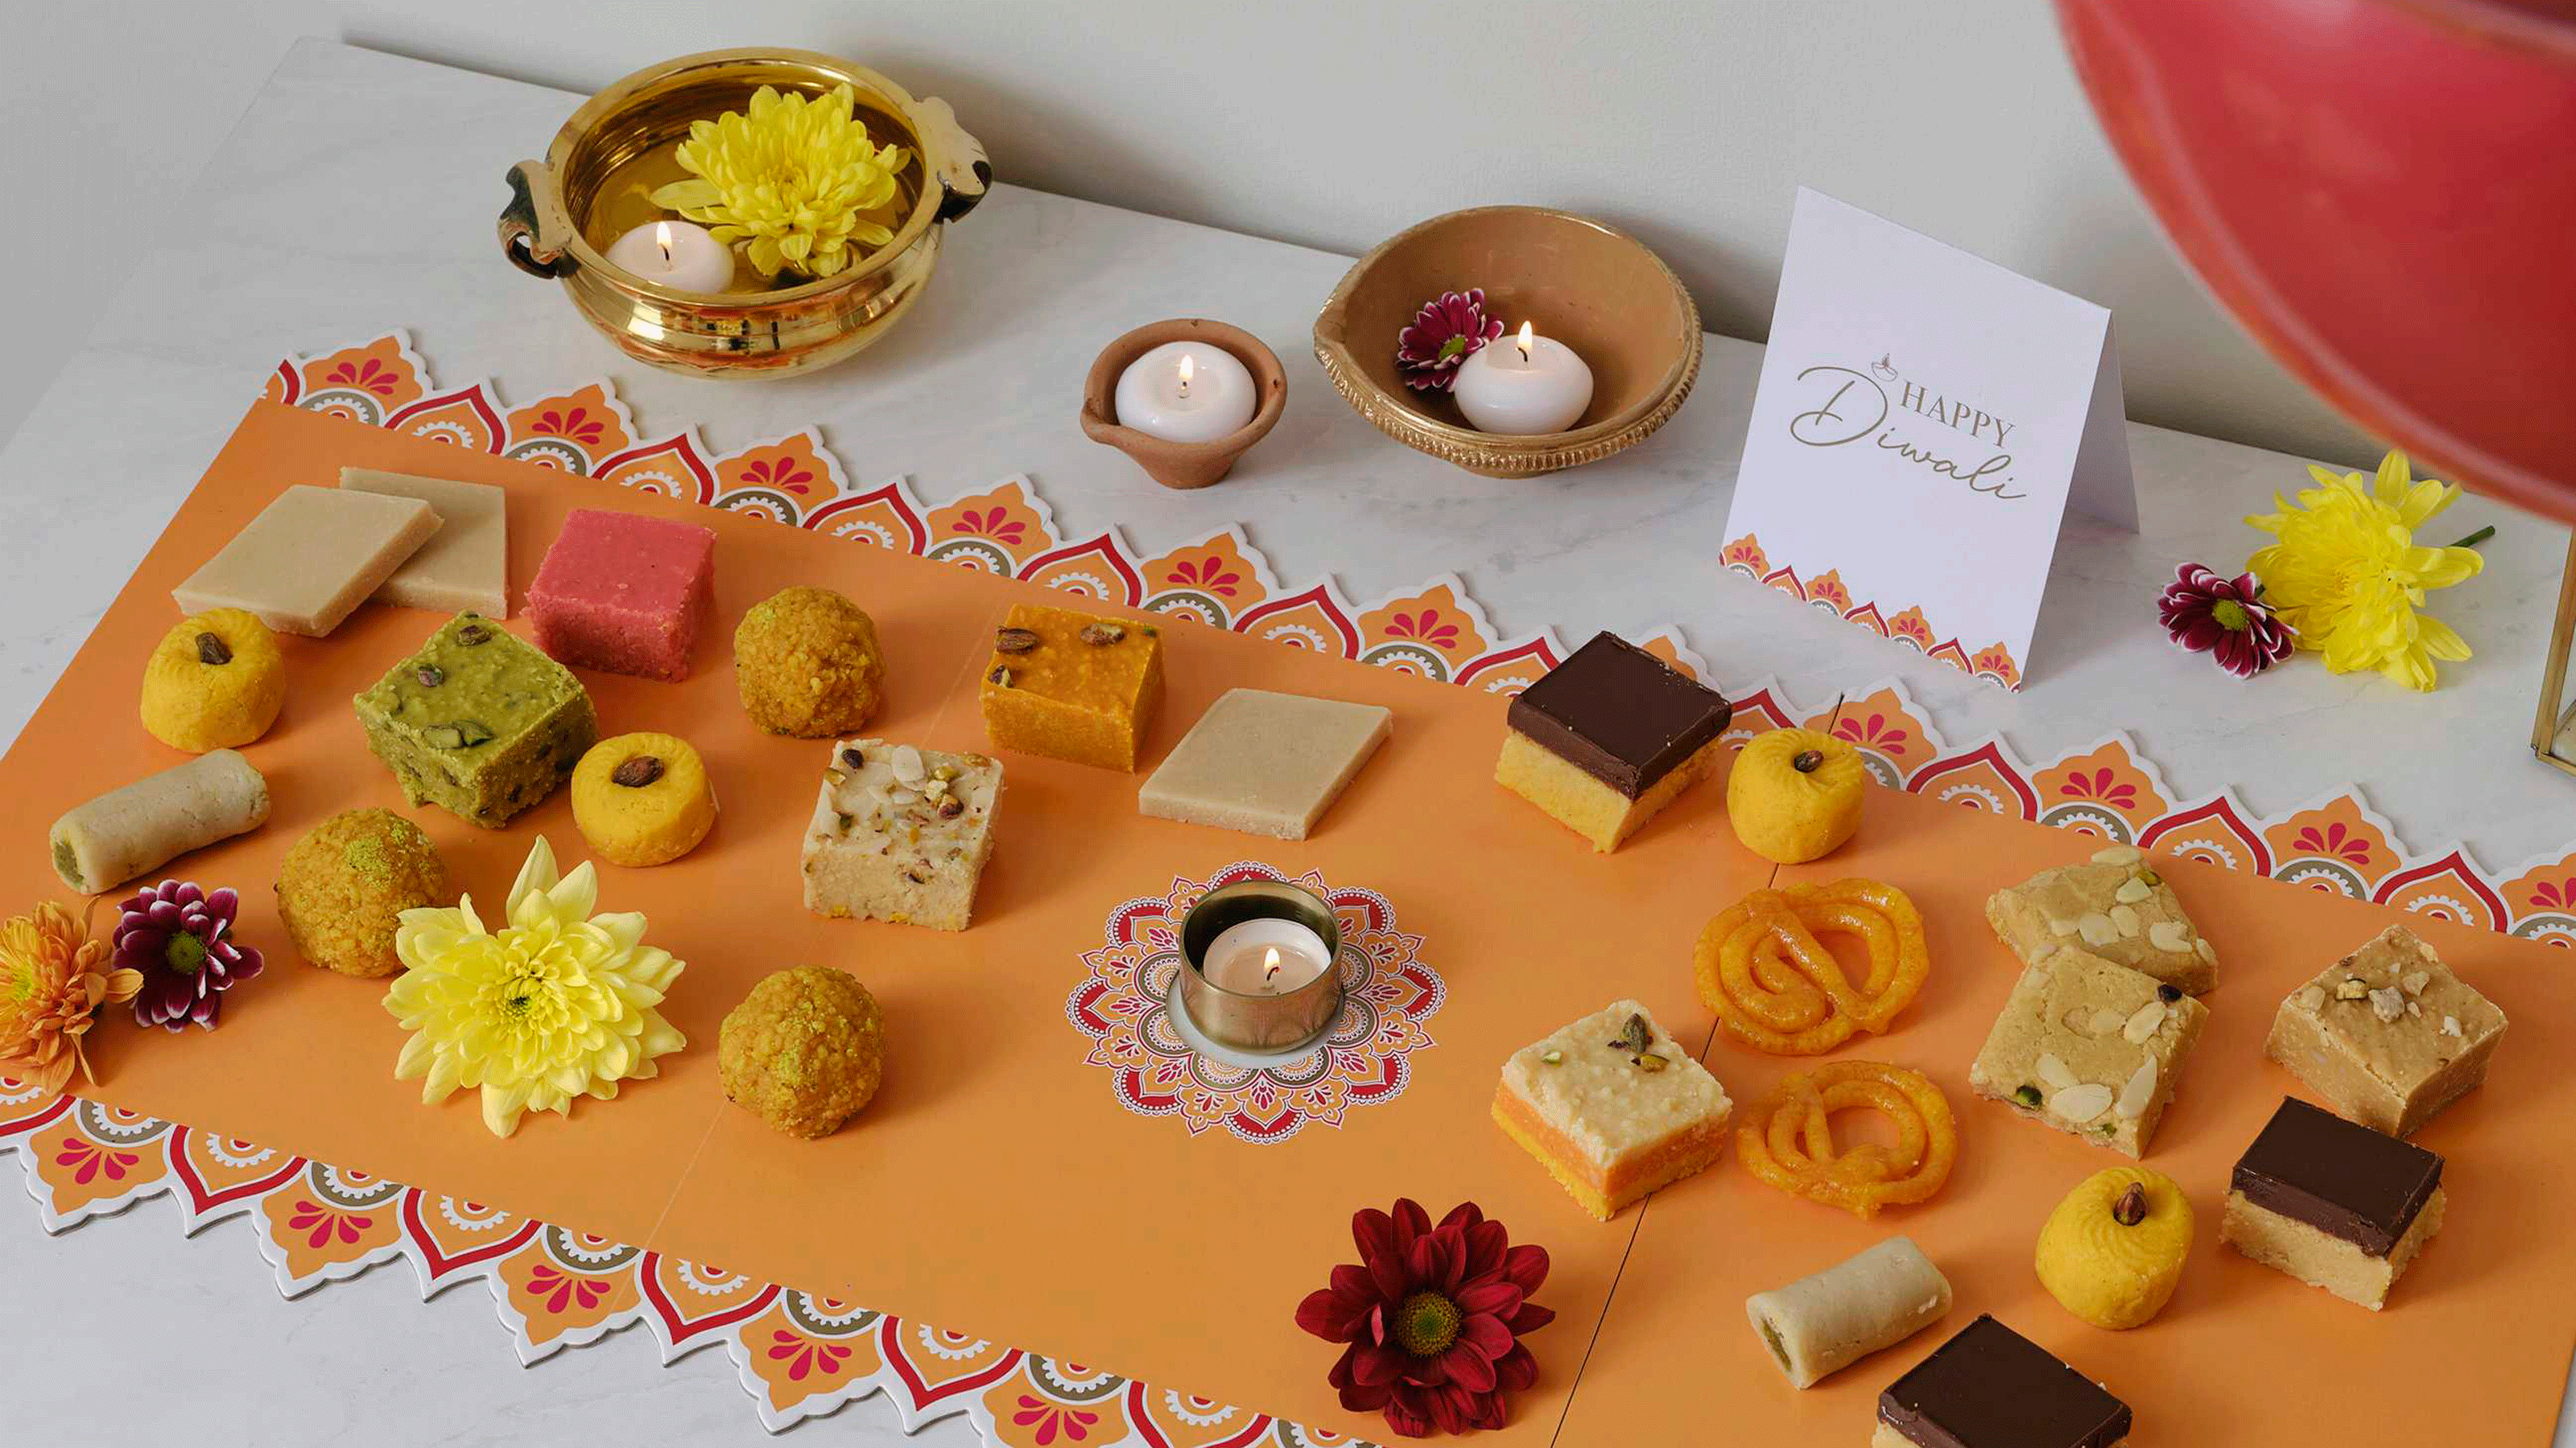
[(2230, 615), (1426, 1324), (185, 953), (1452, 348)]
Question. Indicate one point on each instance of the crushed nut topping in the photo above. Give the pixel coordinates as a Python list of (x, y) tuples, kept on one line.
[(2352, 988), (2387, 1003)]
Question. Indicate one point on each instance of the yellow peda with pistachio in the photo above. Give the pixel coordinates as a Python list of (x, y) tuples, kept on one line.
[(2113, 1250), (1795, 795), (642, 799), (215, 681)]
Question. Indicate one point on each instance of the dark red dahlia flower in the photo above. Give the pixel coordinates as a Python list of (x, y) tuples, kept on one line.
[(1433, 1317), (2225, 618), (180, 938), (1445, 333)]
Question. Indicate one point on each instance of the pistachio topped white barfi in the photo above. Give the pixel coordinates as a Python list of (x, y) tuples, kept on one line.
[(2118, 907), (900, 834), (2089, 1047)]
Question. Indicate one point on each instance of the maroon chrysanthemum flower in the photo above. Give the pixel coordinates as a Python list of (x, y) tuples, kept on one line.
[(1434, 1318), (1445, 333), (2226, 618), (181, 939)]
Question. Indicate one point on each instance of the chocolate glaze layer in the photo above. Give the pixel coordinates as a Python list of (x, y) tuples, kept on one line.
[(1991, 1387), (1620, 714), (2344, 1180)]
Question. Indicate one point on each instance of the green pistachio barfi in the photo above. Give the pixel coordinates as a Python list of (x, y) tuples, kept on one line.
[(478, 722)]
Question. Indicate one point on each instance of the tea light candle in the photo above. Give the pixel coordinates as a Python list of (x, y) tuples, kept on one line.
[(1523, 385), (675, 254), (1186, 392), (1265, 957)]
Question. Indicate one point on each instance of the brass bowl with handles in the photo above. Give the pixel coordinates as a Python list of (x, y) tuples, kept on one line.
[(564, 212)]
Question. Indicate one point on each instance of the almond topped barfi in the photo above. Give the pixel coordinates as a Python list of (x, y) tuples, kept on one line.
[(2387, 1035), (2088, 1047), (2335, 1205), (2116, 906), (1605, 740), (900, 834), (1613, 1107)]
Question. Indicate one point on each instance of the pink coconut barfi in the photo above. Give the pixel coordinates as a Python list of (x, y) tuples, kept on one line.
[(624, 593)]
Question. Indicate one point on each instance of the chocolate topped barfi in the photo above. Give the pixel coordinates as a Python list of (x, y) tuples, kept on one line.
[(2335, 1205), (1607, 738), (1991, 1387), (2344, 1180)]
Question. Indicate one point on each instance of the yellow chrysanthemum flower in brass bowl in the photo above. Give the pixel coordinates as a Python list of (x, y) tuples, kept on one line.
[(788, 183), (2348, 575), (557, 1003)]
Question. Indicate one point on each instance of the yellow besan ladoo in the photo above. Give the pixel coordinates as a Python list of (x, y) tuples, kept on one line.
[(1795, 795), (215, 681), (2113, 1250)]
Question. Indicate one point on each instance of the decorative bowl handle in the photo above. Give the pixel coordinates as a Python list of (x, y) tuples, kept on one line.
[(965, 173), (535, 230)]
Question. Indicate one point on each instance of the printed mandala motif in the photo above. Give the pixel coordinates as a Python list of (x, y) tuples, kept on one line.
[(1126, 1000)]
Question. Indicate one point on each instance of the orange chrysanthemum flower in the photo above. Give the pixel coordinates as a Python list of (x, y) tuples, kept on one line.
[(53, 979)]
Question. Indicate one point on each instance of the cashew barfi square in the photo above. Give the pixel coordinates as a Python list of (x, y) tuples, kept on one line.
[(1604, 741), (2387, 1035), (900, 834), (2333, 1204), (1072, 686), (1613, 1107), (2118, 907), (2091, 1048), (1265, 763), (310, 557)]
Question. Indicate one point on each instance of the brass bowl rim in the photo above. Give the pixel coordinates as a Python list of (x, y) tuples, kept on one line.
[(1514, 453), (585, 119)]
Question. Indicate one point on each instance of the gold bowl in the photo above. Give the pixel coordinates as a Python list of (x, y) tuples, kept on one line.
[(1593, 287), (564, 212)]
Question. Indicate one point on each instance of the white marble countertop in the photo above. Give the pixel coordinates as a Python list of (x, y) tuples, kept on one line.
[(358, 195)]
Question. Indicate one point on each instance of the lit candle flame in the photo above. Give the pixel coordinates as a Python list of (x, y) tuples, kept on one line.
[(1525, 341), (1189, 365), (662, 239), (1269, 953)]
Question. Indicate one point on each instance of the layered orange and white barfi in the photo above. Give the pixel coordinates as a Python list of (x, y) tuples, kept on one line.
[(1613, 1107)]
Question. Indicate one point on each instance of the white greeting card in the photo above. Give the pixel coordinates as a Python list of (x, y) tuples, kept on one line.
[(1924, 420)]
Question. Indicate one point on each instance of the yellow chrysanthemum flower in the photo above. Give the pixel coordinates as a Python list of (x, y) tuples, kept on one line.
[(2349, 576), (789, 182), (558, 1003)]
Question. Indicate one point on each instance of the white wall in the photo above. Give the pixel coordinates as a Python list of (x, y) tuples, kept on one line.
[(1328, 122)]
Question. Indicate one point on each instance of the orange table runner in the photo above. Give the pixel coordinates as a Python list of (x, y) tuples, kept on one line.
[(999, 1186)]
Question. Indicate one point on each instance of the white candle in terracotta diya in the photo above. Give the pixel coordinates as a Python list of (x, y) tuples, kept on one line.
[(1521, 385), (675, 254), (1186, 392)]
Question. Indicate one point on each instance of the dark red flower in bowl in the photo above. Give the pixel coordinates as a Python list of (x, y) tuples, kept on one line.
[(1433, 1318), (181, 939), (1445, 333), (2225, 618)]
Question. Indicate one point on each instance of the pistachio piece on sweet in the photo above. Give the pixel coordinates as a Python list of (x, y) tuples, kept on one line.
[(1651, 1062), (1552, 1058), (213, 650), (472, 634), (2352, 988), (1000, 678), (854, 757), (472, 732), (1100, 634), (951, 807), (1015, 640), (430, 676), (2027, 1096), (638, 771), (1635, 1037), (2131, 1208)]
